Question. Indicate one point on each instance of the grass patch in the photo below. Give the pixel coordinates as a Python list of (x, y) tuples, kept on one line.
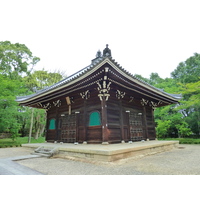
[(183, 140), (8, 142)]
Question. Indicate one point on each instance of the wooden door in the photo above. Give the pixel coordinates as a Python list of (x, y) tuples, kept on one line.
[(68, 128), (136, 126)]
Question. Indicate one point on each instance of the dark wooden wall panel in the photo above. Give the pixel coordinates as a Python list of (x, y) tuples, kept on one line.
[(114, 135), (150, 124), (94, 134)]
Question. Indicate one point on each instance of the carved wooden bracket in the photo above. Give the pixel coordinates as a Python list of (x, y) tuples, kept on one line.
[(152, 104), (46, 106), (119, 94), (104, 90), (85, 95), (57, 103), (144, 102), (131, 99)]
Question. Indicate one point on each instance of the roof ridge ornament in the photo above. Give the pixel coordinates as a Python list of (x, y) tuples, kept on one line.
[(106, 52), (99, 54), (98, 57)]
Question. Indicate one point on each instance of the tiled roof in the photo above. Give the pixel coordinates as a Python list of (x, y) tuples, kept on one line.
[(81, 72)]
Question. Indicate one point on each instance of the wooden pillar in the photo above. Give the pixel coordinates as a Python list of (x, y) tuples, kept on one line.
[(57, 123), (104, 121), (77, 125), (121, 121), (145, 122), (85, 122), (129, 127), (153, 122)]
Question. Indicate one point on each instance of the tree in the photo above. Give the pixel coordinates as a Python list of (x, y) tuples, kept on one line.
[(187, 75), (190, 105), (155, 79), (162, 129), (17, 78), (188, 71), (142, 78), (41, 79), (15, 59), (36, 81), (9, 110), (171, 123)]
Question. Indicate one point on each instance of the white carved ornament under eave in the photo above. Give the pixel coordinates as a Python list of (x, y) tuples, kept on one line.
[(154, 104), (57, 103), (85, 95), (144, 102), (119, 94), (131, 99), (103, 90), (46, 106)]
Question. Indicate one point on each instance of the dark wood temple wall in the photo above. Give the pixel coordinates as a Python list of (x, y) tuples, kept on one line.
[(127, 119)]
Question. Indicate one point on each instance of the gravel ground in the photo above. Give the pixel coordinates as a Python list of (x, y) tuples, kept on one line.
[(14, 151), (184, 160)]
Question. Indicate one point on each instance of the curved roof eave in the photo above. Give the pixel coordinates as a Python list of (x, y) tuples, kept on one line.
[(86, 72)]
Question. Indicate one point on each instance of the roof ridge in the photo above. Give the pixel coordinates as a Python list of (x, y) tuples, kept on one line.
[(84, 70)]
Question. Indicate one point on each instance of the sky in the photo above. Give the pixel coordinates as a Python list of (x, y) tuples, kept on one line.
[(144, 36)]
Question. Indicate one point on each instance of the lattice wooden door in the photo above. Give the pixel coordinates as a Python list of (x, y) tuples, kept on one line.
[(68, 129), (136, 127)]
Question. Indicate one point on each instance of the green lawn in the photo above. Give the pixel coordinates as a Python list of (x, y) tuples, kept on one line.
[(183, 140), (7, 142)]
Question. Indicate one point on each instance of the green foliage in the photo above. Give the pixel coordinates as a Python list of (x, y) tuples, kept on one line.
[(190, 105), (171, 123), (142, 78), (7, 142), (15, 59), (188, 71), (16, 78), (39, 121), (183, 140), (162, 128), (41, 79), (9, 110), (184, 119)]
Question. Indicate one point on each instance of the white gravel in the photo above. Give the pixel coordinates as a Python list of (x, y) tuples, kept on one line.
[(184, 160)]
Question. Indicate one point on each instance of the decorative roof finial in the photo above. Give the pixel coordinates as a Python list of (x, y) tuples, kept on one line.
[(107, 51), (98, 55)]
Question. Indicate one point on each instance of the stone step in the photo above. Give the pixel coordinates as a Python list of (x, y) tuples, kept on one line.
[(46, 151), (41, 154)]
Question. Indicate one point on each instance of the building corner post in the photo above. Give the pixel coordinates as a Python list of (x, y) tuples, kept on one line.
[(104, 121)]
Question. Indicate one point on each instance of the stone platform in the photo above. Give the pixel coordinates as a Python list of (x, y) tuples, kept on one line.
[(107, 153)]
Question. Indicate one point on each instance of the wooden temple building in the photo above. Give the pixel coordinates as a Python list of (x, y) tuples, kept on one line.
[(102, 103)]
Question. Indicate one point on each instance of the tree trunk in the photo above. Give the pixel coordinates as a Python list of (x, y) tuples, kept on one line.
[(37, 126), (31, 126), (42, 129)]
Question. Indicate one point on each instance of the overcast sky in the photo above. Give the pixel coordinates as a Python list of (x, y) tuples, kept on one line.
[(144, 36)]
